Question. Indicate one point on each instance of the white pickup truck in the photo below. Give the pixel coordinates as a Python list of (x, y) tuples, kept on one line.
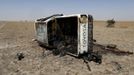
[(73, 31)]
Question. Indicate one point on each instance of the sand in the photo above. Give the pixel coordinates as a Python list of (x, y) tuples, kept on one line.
[(17, 37)]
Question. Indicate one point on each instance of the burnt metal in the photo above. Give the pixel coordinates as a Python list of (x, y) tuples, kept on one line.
[(63, 49), (113, 46), (86, 62), (72, 35), (20, 56), (112, 49), (94, 40), (66, 28), (93, 56)]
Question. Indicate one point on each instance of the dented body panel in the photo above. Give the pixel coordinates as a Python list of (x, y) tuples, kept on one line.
[(75, 30)]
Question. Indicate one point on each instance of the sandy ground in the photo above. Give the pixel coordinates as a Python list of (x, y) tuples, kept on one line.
[(17, 37)]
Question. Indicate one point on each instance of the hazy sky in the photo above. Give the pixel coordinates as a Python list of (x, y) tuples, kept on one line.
[(33, 9)]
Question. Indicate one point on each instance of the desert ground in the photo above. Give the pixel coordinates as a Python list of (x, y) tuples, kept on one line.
[(16, 37)]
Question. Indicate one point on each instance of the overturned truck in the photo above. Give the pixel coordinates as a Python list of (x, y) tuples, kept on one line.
[(68, 34)]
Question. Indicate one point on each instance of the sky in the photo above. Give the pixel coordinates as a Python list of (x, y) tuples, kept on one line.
[(122, 10)]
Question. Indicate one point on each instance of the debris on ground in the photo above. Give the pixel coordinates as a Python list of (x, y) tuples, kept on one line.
[(86, 62), (20, 56), (111, 48), (94, 40), (34, 40), (93, 56)]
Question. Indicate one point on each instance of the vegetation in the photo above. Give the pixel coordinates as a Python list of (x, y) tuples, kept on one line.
[(110, 23)]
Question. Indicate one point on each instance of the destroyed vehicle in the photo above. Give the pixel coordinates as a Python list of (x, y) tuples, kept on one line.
[(71, 34)]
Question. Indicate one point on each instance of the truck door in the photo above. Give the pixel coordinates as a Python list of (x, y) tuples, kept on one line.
[(41, 30)]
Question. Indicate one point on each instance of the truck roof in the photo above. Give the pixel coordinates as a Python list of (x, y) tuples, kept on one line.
[(59, 16)]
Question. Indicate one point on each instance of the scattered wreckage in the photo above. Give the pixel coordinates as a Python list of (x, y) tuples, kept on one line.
[(72, 35)]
